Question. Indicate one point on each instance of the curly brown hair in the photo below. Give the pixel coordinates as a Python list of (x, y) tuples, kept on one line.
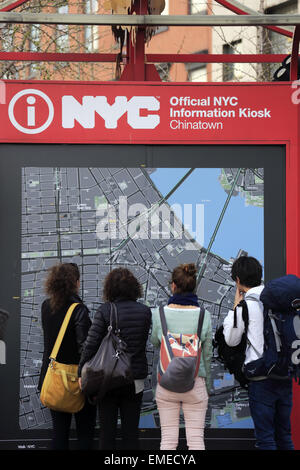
[(184, 277), (121, 283), (61, 284)]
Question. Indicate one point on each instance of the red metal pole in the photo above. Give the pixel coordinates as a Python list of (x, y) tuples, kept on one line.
[(215, 58), (295, 52), (149, 58), (14, 5), (295, 421), (239, 11), (140, 7), (136, 68)]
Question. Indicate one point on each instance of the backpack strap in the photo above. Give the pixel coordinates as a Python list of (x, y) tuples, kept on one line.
[(200, 322), (275, 330), (245, 315), (163, 320)]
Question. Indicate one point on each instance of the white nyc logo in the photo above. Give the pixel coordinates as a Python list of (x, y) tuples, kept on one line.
[(85, 113)]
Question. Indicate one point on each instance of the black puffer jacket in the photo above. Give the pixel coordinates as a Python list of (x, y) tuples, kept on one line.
[(134, 321), (75, 336)]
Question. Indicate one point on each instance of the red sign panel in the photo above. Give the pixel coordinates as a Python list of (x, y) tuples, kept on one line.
[(103, 112)]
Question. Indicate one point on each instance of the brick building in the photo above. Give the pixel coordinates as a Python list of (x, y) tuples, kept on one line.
[(185, 40), (49, 38)]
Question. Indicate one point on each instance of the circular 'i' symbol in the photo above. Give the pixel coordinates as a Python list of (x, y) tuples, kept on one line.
[(31, 111)]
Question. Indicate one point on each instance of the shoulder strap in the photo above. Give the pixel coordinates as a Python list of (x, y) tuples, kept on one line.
[(200, 322), (163, 320), (245, 314), (114, 312), (62, 331), (276, 333)]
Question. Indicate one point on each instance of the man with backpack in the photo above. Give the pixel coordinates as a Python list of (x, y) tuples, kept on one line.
[(269, 385)]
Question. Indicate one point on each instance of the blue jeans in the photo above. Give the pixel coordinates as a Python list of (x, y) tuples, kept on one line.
[(270, 404)]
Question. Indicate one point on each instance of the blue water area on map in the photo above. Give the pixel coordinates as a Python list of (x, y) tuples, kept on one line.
[(225, 421), (242, 226), (147, 421)]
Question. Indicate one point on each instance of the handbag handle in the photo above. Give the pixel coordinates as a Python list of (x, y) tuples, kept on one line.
[(113, 310), (62, 331)]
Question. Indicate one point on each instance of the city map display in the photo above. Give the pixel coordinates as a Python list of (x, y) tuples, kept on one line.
[(149, 220)]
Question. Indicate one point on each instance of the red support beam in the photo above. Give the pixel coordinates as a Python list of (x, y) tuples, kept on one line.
[(13, 5), (136, 68), (149, 58), (215, 58), (295, 52), (227, 4), (56, 57)]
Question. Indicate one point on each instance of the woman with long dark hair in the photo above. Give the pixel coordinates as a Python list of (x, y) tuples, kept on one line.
[(62, 287), (182, 316), (134, 321)]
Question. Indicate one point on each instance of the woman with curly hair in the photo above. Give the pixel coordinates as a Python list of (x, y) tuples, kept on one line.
[(182, 316), (134, 320), (62, 288)]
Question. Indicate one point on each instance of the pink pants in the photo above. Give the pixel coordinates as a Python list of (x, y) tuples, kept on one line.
[(194, 406)]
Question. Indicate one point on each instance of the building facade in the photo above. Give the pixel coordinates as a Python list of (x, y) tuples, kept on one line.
[(250, 40)]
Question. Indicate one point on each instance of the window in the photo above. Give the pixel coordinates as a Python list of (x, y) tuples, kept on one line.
[(34, 46), (197, 7), (198, 74), (164, 71), (229, 69), (273, 43), (7, 37), (62, 38), (91, 31), (166, 9)]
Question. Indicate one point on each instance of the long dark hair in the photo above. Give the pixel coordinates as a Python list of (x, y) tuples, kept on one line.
[(61, 284), (121, 283)]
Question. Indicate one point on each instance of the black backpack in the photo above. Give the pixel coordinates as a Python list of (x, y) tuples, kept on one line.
[(233, 357)]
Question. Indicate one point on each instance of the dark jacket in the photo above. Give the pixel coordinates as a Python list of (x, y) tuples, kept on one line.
[(75, 336), (134, 321)]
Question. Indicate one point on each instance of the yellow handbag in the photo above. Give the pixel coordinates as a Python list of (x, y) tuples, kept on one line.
[(60, 390)]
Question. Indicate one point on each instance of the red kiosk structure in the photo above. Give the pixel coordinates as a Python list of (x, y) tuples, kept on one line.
[(153, 113)]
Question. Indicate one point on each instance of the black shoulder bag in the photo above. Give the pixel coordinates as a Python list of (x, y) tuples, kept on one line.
[(110, 367)]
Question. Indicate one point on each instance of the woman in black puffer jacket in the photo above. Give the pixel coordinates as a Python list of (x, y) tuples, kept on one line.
[(134, 321)]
